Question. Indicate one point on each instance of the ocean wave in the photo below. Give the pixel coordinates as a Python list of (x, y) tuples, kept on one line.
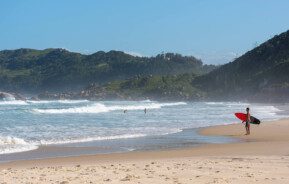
[(13, 102), (101, 108), (146, 101), (214, 103), (10, 144), (57, 101), (269, 108), (72, 101), (13, 144), (39, 102), (90, 139), (227, 103), (95, 108), (266, 111), (148, 131)]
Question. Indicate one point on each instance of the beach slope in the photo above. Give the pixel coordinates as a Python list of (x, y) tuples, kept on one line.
[(262, 157)]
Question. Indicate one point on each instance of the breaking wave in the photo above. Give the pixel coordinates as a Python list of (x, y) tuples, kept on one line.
[(89, 139), (101, 108), (57, 101), (13, 144), (13, 102)]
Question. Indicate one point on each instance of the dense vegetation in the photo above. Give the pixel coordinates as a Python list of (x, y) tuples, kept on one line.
[(262, 73), (170, 87), (60, 70)]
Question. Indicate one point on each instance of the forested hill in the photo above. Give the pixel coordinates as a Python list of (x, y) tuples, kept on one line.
[(60, 70), (260, 74)]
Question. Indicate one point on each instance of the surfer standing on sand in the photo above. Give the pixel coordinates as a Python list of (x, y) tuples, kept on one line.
[(248, 120)]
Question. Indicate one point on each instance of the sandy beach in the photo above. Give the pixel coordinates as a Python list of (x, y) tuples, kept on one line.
[(262, 157)]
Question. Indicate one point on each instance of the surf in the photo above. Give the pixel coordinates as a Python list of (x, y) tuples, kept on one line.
[(102, 108)]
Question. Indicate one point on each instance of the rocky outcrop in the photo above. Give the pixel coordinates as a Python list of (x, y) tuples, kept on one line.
[(11, 96), (6, 96), (56, 96)]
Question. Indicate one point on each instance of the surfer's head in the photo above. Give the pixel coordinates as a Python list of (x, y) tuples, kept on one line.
[(247, 109)]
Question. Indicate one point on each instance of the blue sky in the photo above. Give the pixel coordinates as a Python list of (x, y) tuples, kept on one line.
[(214, 30)]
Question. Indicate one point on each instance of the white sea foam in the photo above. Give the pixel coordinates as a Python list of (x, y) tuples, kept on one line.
[(57, 101), (266, 111), (89, 139), (9, 98), (13, 102), (214, 103), (227, 103), (13, 144), (72, 101), (39, 102), (95, 108), (101, 108), (35, 130), (146, 101), (148, 131)]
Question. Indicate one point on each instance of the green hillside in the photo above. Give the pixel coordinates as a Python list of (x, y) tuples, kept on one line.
[(61, 70), (262, 73), (152, 87)]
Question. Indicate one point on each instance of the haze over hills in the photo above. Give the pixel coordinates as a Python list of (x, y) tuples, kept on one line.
[(261, 74), (58, 70)]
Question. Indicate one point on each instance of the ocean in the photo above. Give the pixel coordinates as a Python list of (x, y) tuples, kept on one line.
[(115, 126)]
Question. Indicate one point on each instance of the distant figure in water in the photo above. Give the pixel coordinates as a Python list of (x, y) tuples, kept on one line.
[(248, 120), (145, 110), (124, 111)]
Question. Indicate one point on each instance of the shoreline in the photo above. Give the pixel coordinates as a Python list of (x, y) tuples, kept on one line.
[(185, 139), (266, 149), (234, 131)]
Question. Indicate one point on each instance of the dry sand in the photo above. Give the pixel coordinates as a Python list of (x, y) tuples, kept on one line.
[(262, 157)]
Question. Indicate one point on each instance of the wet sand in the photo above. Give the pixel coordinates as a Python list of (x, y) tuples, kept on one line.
[(262, 157)]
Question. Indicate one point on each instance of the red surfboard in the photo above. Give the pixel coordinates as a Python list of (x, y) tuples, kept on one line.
[(243, 117)]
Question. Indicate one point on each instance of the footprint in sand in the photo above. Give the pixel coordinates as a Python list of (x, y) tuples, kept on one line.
[(64, 182), (129, 177), (107, 180)]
